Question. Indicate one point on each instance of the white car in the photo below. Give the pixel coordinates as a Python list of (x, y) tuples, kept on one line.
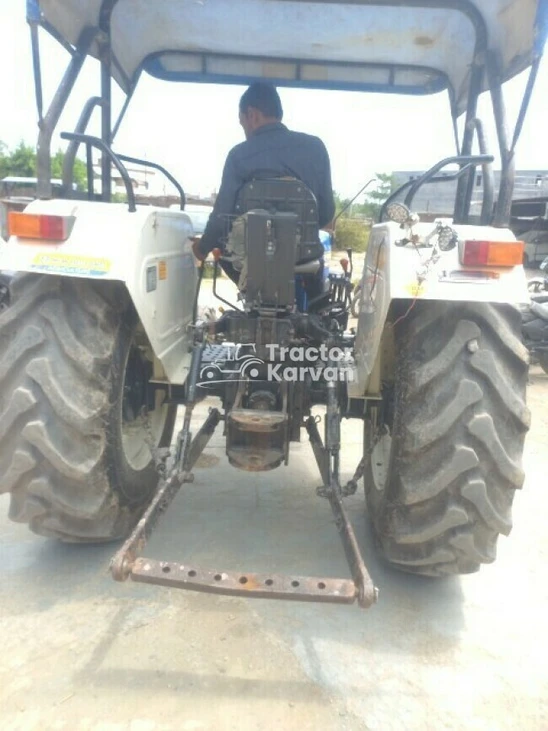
[(199, 216)]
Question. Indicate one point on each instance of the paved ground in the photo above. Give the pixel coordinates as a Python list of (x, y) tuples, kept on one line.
[(82, 652)]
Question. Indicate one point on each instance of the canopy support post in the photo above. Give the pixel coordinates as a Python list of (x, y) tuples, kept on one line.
[(37, 69), (507, 158), (466, 182), (531, 81), (123, 111), (105, 16), (50, 120)]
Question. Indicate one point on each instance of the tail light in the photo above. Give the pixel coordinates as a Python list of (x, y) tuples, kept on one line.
[(36, 226), (492, 253)]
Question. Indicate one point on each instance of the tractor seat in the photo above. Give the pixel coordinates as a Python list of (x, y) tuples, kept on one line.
[(287, 195), (274, 241)]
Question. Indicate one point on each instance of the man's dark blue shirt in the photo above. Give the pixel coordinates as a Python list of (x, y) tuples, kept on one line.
[(271, 151)]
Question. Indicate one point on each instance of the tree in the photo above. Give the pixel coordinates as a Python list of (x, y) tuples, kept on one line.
[(351, 233), (79, 170), (21, 162), (375, 198), (3, 159), (341, 204)]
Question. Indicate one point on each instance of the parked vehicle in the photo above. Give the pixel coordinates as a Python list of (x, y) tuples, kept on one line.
[(536, 285), (198, 214), (17, 192), (100, 341), (529, 222)]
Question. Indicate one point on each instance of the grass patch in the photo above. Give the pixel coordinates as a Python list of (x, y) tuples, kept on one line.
[(351, 233)]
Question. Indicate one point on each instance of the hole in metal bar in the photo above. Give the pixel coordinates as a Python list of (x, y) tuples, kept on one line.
[(217, 577), (192, 573), (321, 585), (166, 569), (295, 584), (243, 579), (269, 582)]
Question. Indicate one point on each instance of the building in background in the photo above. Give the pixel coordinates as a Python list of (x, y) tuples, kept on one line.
[(439, 198)]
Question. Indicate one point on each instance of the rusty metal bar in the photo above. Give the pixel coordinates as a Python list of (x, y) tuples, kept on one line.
[(200, 441), (230, 583), (124, 560), (316, 443), (367, 592), (329, 469), (127, 563)]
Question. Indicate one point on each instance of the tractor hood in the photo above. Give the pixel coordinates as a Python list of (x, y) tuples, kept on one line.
[(398, 46)]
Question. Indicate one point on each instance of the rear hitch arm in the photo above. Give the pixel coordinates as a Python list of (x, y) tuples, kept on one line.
[(128, 563)]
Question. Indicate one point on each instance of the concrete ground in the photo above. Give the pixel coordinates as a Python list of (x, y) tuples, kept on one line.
[(83, 652), (80, 651)]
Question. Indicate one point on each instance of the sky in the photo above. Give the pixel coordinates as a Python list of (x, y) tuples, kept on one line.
[(189, 128)]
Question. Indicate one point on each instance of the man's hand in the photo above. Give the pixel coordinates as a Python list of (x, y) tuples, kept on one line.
[(196, 248)]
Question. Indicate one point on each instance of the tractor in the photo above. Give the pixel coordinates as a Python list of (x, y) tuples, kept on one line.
[(100, 335)]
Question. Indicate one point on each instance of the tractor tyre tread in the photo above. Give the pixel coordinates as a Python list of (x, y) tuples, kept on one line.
[(459, 425), (57, 360)]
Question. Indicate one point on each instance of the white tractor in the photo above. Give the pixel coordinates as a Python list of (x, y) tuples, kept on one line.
[(100, 341)]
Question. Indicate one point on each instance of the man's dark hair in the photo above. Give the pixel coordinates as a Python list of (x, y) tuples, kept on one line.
[(264, 97)]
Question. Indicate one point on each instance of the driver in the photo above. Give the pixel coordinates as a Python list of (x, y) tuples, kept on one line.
[(270, 150)]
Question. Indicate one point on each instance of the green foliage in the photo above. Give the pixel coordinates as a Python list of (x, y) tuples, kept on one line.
[(80, 176), (342, 207), (374, 199), (21, 162), (3, 159), (351, 233)]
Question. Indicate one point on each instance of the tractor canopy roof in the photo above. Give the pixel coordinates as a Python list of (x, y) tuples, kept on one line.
[(401, 46)]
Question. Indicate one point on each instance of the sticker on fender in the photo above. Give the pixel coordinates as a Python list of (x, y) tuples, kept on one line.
[(416, 289), (84, 266)]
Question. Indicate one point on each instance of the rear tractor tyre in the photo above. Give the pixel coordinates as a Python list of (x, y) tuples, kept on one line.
[(447, 447), (74, 445)]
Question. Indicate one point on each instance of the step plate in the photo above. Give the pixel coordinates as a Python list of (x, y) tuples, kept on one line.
[(259, 586)]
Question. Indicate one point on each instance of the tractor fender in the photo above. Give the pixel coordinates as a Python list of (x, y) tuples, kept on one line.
[(410, 273), (149, 251)]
